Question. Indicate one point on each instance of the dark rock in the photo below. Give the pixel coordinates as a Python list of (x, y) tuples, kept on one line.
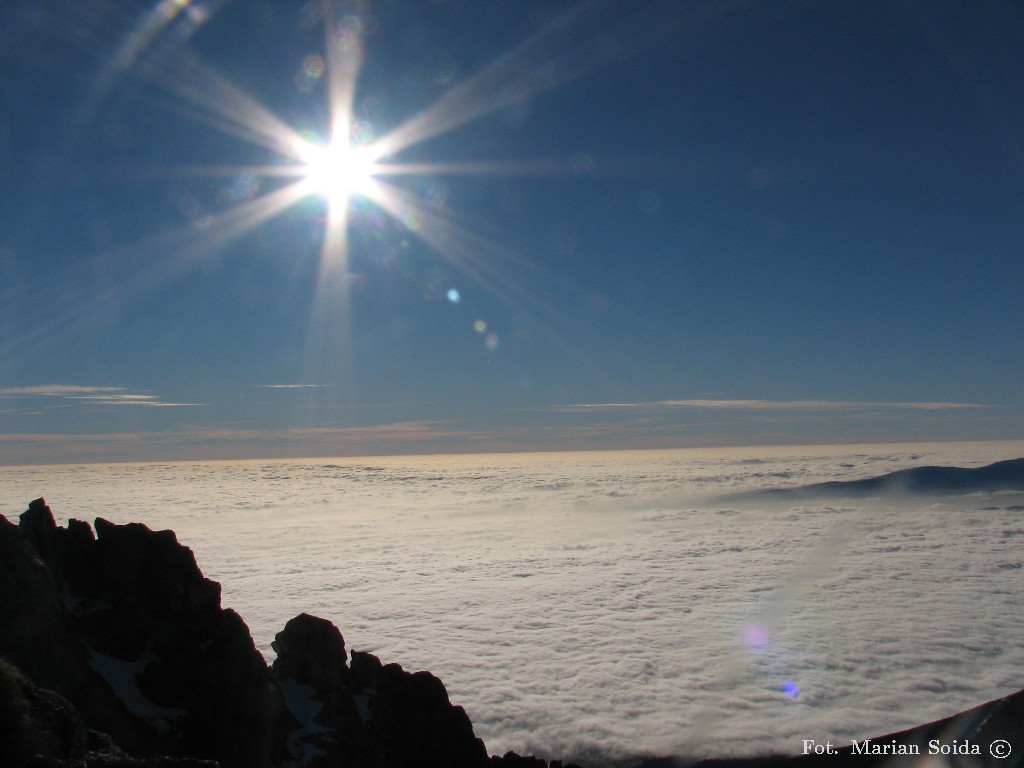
[(369, 714), (133, 634), (38, 526), (39, 637), (44, 761), (58, 721), (1000, 476), (40, 728), (30, 722), (143, 568), (413, 721), (40, 761), (32, 626), (512, 760), (311, 651), (310, 671)]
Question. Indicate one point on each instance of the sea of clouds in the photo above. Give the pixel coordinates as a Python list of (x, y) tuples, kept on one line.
[(600, 605)]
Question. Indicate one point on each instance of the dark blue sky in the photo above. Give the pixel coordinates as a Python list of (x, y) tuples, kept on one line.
[(688, 223)]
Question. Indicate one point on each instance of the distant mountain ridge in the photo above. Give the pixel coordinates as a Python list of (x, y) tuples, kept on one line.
[(1001, 476)]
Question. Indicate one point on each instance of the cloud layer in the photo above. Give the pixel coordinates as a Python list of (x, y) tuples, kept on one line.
[(603, 604), (88, 394), (777, 405)]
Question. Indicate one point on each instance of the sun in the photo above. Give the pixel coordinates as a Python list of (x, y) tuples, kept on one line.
[(337, 171)]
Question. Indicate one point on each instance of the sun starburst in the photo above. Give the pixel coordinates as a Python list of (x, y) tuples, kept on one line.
[(338, 171), (343, 164)]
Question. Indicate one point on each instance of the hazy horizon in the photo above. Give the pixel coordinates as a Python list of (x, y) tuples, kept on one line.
[(770, 449)]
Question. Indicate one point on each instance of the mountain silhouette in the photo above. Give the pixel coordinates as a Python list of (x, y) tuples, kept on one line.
[(1001, 476)]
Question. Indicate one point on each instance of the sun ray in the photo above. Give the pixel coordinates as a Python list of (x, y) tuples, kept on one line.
[(140, 40), (521, 167), (553, 56), (336, 171), (205, 96), (136, 173), (344, 47), (167, 256)]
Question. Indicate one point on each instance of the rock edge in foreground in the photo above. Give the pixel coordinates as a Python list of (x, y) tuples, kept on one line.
[(116, 632)]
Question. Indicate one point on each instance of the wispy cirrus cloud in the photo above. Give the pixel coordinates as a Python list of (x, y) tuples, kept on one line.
[(90, 395), (774, 405), (56, 390), (151, 401), (293, 386)]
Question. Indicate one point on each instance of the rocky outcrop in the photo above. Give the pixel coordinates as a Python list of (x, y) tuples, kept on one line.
[(145, 628), (42, 729), (39, 636), (368, 713), (117, 632)]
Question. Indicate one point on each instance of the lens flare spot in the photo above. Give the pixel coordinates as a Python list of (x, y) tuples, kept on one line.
[(491, 341), (453, 296), (313, 66), (413, 220), (756, 636), (790, 688), (361, 132), (480, 326), (348, 33), (312, 70)]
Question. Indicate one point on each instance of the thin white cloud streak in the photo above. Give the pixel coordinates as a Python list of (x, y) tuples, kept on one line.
[(120, 398), (775, 405), (148, 401), (293, 386), (56, 389), (89, 395), (57, 438)]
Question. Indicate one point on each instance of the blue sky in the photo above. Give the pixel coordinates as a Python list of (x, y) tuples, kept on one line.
[(588, 225)]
